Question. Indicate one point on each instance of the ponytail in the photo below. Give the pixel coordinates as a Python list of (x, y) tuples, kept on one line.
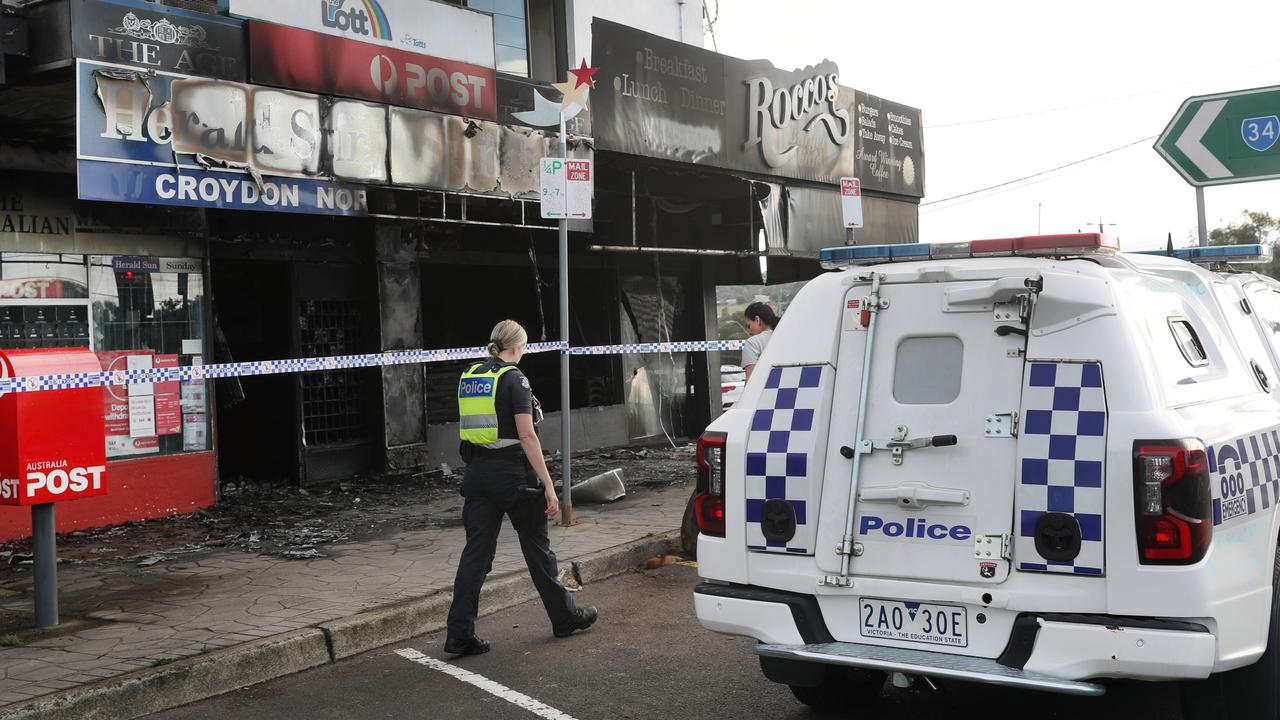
[(506, 335)]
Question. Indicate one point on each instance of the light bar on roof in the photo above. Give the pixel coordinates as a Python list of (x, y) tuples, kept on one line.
[(1227, 254), (1032, 245)]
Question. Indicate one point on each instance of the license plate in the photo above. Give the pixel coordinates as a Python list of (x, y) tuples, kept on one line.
[(914, 622)]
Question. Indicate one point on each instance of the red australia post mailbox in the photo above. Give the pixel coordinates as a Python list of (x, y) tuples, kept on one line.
[(52, 442)]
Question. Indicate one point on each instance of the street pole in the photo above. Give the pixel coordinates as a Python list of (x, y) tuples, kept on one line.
[(1204, 226), (566, 452), (44, 553)]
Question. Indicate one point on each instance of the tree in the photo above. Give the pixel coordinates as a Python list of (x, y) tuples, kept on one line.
[(1252, 228)]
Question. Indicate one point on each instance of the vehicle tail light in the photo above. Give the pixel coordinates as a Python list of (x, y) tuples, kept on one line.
[(708, 498), (1173, 504)]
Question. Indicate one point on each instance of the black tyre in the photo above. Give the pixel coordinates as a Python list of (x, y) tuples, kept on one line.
[(1247, 693), (843, 689)]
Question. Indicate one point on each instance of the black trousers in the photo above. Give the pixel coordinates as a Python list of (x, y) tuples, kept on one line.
[(493, 487)]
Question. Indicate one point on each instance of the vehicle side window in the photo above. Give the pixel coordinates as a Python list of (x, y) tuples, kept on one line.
[(1266, 302), (927, 370), (1188, 342)]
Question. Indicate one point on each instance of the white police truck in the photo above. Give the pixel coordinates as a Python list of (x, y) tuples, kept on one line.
[(1031, 462)]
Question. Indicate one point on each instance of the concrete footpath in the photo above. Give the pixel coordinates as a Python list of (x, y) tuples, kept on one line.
[(219, 619)]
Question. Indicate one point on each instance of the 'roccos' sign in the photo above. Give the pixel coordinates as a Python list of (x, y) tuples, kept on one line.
[(772, 111)]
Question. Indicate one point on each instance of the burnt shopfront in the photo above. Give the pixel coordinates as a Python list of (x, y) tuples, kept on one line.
[(134, 290), (334, 218), (712, 153)]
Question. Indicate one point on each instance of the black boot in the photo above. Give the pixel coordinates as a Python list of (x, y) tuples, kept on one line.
[(469, 646), (583, 618)]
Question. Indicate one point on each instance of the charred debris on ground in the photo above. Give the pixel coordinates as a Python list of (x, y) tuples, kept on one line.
[(293, 522)]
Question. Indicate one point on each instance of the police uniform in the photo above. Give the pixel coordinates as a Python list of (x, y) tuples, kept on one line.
[(499, 480)]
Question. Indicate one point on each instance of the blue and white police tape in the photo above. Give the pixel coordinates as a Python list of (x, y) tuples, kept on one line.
[(682, 346), (187, 373)]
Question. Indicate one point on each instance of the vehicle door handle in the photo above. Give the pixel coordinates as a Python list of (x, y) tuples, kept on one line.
[(914, 496)]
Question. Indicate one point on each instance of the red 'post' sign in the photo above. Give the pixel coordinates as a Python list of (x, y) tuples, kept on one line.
[(52, 444), (295, 58)]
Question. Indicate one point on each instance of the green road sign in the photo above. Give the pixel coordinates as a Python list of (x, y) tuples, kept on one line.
[(1225, 138)]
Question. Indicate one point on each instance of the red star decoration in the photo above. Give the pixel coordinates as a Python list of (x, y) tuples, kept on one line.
[(583, 74)]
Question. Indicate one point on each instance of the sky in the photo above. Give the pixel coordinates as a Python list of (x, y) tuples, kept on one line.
[(1083, 77)]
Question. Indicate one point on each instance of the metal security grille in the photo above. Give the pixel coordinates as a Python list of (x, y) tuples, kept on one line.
[(332, 402)]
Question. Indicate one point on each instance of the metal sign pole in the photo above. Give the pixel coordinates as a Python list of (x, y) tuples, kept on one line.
[(45, 556), (566, 452), (1204, 226)]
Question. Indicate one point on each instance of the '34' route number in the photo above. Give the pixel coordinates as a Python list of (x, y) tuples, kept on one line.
[(1260, 133)]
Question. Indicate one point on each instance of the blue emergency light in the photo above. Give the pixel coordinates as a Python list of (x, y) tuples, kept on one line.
[(1228, 254), (835, 258)]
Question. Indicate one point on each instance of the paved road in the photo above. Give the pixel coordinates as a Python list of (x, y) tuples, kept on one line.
[(647, 658)]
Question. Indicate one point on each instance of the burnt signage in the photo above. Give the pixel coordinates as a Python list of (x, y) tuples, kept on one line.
[(664, 99), (657, 97), (294, 58), (173, 120), (162, 39)]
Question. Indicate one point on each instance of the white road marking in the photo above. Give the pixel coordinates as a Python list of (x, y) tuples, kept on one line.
[(494, 688)]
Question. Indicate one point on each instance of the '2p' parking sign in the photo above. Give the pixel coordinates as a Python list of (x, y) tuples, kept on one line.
[(1260, 133)]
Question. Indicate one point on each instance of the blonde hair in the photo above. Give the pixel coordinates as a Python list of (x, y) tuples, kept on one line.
[(506, 335)]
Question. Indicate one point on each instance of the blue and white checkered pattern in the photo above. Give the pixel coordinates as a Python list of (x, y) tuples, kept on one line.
[(665, 347), (783, 449), (66, 381), (270, 367), (1062, 448), (1245, 474)]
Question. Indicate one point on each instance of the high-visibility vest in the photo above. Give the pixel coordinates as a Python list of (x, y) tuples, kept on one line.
[(478, 407)]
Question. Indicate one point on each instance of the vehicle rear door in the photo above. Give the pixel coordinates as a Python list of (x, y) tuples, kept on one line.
[(937, 461)]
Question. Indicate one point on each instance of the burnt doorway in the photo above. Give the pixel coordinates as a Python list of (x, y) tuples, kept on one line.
[(338, 410), (256, 420), (297, 427)]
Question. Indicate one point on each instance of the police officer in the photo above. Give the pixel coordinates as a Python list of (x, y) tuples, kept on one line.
[(497, 414)]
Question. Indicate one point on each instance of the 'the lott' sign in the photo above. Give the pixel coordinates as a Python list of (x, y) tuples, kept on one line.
[(432, 28), (158, 38), (1225, 138), (660, 98)]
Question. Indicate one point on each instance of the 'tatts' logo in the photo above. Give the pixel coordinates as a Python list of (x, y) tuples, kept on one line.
[(364, 17)]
